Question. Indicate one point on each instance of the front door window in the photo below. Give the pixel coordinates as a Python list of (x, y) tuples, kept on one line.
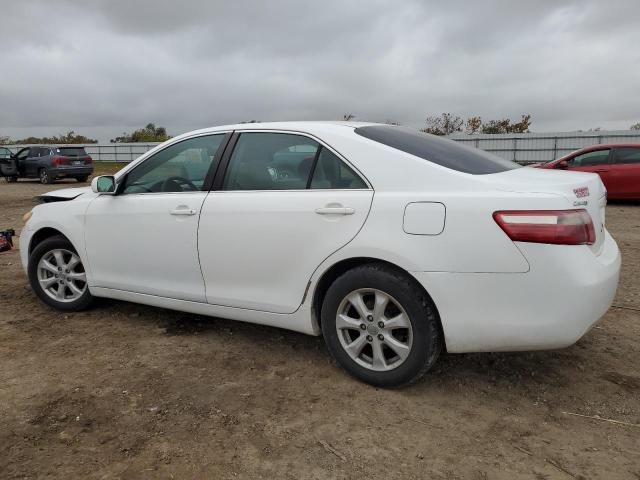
[(181, 167)]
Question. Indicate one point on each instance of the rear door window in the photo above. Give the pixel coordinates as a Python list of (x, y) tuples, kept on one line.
[(438, 150), (626, 155), (270, 161)]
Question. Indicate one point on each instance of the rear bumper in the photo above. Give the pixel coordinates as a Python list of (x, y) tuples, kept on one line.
[(564, 294), (72, 171)]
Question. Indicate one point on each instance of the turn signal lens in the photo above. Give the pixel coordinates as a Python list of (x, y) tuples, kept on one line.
[(560, 227)]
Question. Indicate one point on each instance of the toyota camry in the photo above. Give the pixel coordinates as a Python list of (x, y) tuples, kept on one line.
[(393, 244)]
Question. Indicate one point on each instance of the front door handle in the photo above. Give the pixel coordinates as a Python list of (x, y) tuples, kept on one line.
[(183, 211), (335, 211)]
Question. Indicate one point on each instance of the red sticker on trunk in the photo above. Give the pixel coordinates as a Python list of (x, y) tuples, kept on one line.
[(581, 192)]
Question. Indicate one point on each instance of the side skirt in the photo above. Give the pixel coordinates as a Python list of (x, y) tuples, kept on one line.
[(299, 321)]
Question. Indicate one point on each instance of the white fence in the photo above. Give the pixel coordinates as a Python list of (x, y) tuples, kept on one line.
[(541, 147), (523, 147)]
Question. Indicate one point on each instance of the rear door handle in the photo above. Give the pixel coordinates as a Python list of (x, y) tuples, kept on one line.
[(335, 211), (183, 211)]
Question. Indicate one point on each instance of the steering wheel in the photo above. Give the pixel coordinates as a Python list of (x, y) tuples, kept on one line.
[(175, 184)]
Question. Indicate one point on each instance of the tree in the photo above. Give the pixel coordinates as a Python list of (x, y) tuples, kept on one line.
[(473, 125), (635, 126), (68, 138), (522, 126), (150, 133), (445, 124), (348, 117), (505, 125)]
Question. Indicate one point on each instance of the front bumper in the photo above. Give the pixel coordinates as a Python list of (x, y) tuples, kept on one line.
[(25, 241), (564, 294)]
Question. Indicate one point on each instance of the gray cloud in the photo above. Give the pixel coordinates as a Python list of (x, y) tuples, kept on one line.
[(101, 67)]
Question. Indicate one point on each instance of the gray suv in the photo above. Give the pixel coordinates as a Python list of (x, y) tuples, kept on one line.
[(48, 164)]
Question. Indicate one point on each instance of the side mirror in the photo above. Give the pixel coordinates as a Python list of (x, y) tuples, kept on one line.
[(104, 185), (563, 165)]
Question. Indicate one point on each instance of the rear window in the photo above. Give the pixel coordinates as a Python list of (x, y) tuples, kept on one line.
[(440, 151), (71, 151), (627, 155)]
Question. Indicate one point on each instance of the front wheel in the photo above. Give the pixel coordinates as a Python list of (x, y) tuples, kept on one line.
[(45, 178), (380, 326), (57, 275), (82, 178)]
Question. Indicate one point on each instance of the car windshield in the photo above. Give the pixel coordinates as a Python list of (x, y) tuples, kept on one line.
[(71, 151), (440, 151)]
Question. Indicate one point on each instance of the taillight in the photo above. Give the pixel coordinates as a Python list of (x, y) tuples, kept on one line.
[(88, 160), (57, 160), (561, 227)]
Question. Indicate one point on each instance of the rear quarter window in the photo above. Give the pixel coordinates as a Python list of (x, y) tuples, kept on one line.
[(440, 151)]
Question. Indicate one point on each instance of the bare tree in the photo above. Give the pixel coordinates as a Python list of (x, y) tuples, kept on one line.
[(473, 125), (445, 124)]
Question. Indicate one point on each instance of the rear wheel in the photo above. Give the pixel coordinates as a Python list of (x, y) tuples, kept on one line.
[(380, 326), (57, 275), (82, 178), (45, 177), (11, 179)]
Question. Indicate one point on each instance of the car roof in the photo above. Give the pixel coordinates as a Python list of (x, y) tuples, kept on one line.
[(307, 126), (599, 146)]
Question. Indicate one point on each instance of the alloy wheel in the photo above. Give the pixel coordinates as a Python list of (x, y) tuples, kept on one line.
[(374, 329), (61, 275)]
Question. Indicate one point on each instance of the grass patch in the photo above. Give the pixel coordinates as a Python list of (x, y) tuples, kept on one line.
[(107, 168)]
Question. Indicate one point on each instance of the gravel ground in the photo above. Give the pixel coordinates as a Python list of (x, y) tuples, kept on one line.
[(128, 391)]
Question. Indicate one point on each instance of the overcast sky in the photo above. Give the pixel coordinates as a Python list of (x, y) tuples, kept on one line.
[(101, 67)]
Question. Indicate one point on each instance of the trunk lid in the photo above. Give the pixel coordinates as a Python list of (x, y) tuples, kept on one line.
[(580, 189)]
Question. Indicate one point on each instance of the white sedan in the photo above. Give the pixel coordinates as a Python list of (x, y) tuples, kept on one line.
[(392, 244)]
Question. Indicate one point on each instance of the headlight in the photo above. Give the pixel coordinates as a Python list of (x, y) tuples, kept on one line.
[(27, 216)]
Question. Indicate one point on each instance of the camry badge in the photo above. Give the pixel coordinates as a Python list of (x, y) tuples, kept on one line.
[(581, 192)]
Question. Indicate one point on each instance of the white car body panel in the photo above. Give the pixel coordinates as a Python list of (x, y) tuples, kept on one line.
[(135, 243), (260, 260), (247, 237)]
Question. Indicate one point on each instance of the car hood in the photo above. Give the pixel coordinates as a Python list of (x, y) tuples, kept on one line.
[(63, 194)]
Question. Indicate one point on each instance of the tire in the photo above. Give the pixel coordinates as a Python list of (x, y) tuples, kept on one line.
[(44, 176), (82, 179), (59, 252), (11, 179), (415, 348)]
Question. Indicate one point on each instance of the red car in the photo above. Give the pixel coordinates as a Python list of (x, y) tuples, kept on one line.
[(618, 166)]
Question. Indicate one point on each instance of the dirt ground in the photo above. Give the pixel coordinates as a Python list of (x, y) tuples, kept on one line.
[(128, 391)]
